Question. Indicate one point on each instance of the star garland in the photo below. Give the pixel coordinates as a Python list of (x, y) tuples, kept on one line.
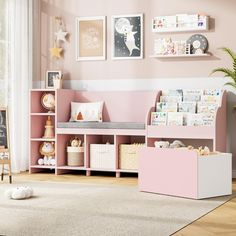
[(59, 36)]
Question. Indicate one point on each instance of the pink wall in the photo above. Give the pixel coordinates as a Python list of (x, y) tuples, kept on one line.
[(221, 34)]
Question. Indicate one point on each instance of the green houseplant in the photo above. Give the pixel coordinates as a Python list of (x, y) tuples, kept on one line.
[(228, 72)]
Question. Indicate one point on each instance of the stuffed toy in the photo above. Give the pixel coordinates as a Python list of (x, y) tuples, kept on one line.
[(19, 193), (161, 144), (48, 151), (177, 144), (75, 142)]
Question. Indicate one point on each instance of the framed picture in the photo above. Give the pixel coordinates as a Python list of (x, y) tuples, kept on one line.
[(90, 38), (4, 140), (50, 74), (127, 36)]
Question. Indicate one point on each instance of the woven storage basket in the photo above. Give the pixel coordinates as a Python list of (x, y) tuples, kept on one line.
[(102, 156), (128, 156), (75, 156)]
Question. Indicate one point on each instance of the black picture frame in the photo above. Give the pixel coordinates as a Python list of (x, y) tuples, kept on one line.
[(49, 78)]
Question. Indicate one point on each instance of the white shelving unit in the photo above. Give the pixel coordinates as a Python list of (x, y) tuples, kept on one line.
[(181, 56), (187, 26), (180, 23)]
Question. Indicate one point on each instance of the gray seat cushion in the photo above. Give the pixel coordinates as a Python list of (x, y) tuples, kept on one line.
[(101, 125)]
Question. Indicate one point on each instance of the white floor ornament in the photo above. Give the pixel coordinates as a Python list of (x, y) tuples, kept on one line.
[(19, 193)]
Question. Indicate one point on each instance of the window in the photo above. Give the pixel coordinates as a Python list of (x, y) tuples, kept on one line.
[(4, 59)]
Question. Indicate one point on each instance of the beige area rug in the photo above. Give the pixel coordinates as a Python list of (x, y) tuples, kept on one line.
[(86, 209)]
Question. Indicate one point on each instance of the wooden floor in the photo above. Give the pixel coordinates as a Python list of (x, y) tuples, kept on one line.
[(220, 222)]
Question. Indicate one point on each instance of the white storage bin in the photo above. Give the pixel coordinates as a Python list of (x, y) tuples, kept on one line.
[(102, 156), (75, 156)]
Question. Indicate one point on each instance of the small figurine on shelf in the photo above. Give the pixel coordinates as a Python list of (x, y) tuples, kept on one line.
[(75, 142), (49, 132), (75, 152), (47, 149), (48, 102)]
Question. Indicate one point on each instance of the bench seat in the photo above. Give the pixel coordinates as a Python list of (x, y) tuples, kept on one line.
[(101, 125)]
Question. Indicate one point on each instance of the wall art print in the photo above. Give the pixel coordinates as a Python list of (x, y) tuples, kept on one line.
[(91, 38), (127, 36)]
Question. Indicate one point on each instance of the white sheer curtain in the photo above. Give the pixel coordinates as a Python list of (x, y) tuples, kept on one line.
[(19, 17)]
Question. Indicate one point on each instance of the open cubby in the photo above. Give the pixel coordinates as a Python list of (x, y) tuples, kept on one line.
[(35, 100), (62, 143), (38, 125)]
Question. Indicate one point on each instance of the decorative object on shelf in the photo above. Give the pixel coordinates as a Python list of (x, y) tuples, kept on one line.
[(5, 143), (48, 101), (19, 193), (75, 142), (180, 22), (127, 36), (47, 149), (91, 38), (49, 131), (53, 79), (198, 44), (75, 152), (166, 46), (228, 72)]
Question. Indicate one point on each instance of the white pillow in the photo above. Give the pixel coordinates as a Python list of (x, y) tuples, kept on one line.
[(91, 111)]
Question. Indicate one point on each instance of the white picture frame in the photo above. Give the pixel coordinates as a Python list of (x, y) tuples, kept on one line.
[(90, 39), (49, 78), (133, 48)]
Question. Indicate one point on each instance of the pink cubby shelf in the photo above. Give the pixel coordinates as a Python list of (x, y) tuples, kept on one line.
[(183, 173)]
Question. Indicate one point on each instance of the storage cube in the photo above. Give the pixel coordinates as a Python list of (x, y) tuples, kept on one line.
[(102, 156), (184, 173), (75, 156), (128, 156)]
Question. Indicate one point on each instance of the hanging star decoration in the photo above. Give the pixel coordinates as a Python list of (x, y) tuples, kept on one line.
[(59, 36), (56, 52)]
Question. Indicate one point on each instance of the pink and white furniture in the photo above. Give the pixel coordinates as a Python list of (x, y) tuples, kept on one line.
[(119, 106), (182, 172)]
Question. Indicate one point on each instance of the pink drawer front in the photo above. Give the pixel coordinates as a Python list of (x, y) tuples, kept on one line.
[(168, 171)]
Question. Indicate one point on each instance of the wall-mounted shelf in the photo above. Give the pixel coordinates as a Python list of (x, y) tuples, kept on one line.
[(180, 23), (179, 30), (181, 56)]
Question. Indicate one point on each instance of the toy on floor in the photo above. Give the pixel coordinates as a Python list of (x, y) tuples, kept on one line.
[(19, 193)]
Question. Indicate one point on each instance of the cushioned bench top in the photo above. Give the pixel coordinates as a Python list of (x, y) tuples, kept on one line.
[(101, 125)]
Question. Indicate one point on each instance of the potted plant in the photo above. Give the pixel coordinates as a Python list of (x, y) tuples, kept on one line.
[(230, 73)]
